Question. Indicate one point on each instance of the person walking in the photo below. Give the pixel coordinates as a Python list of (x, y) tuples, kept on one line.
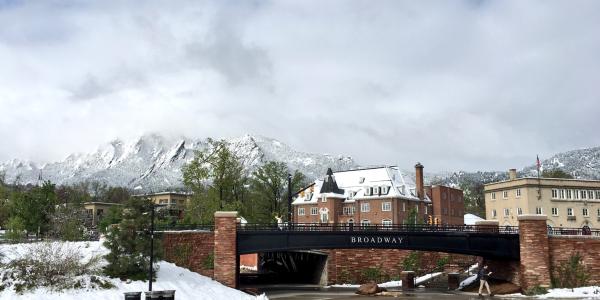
[(484, 276)]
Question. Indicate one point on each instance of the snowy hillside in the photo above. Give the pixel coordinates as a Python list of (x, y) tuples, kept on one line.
[(154, 161), (582, 163)]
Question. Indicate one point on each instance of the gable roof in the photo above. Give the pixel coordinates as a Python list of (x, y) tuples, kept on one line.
[(371, 183)]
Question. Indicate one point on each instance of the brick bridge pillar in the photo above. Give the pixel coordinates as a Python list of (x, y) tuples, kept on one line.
[(535, 255), (226, 259)]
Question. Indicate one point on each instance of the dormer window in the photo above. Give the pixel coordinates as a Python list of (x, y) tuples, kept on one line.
[(361, 180), (376, 190), (368, 191), (385, 190)]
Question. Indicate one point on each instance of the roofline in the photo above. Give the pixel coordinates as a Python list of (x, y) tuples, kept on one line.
[(543, 179), (366, 168), (104, 203)]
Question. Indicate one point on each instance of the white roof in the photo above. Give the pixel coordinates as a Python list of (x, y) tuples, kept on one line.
[(470, 219), (356, 182)]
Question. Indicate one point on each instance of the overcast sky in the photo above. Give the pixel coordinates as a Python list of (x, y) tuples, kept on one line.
[(453, 84)]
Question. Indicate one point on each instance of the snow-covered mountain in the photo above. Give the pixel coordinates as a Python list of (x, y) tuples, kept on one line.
[(154, 162), (582, 163)]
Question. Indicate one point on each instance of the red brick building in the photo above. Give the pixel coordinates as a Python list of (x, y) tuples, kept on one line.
[(448, 204), (381, 196)]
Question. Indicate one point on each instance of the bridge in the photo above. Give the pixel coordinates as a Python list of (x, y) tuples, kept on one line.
[(527, 254), (487, 241)]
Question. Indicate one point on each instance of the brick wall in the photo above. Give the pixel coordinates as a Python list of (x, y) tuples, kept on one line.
[(192, 250), (561, 248), (348, 265)]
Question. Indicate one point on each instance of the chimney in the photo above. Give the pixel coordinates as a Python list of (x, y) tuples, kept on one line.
[(419, 181), (512, 174)]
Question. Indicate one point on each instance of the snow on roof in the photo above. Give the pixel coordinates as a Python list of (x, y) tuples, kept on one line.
[(470, 219), (381, 182)]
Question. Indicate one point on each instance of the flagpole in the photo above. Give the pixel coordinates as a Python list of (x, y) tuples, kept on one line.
[(538, 164)]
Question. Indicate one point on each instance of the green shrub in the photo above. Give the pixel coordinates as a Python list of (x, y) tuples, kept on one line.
[(371, 274), (15, 230), (412, 261), (208, 263), (536, 290), (571, 273)]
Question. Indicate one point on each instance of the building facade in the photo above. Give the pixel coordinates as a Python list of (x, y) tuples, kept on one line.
[(448, 205), (373, 196), (566, 202), (173, 201), (95, 211)]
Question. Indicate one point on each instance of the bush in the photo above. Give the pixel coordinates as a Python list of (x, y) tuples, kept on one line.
[(208, 262), (571, 273), (55, 266), (411, 262), (372, 274), (15, 230), (536, 290)]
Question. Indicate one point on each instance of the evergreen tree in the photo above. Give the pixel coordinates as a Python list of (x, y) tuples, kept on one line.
[(129, 242)]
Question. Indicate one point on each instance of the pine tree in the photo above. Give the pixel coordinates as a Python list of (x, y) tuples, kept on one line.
[(129, 242)]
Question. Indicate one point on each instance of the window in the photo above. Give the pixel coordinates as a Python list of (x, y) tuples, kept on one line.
[(314, 211), (386, 206), (403, 206), (324, 217), (323, 198), (89, 212), (386, 222), (425, 209), (349, 210), (365, 207), (569, 212), (576, 194), (493, 196), (444, 211), (583, 194), (493, 213), (452, 211), (365, 222), (569, 194), (562, 194), (598, 194), (518, 192), (554, 194), (506, 212), (590, 194), (505, 194), (519, 211), (538, 211), (585, 212), (598, 212), (555, 211), (376, 190), (301, 211)]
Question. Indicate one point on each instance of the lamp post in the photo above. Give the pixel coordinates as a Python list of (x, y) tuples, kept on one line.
[(151, 248), (290, 213)]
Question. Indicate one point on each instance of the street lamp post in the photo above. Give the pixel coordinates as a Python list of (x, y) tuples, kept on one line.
[(290, 213), (151, 248)]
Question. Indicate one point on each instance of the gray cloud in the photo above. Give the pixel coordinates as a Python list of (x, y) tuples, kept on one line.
[(455, 85)]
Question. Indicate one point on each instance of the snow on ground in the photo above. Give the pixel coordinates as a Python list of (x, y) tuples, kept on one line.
[(390, 284), (588, 292), (467, 281), (188, 285)]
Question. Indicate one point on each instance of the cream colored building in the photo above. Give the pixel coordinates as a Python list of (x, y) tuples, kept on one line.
[(567, 202), (171, 199)]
